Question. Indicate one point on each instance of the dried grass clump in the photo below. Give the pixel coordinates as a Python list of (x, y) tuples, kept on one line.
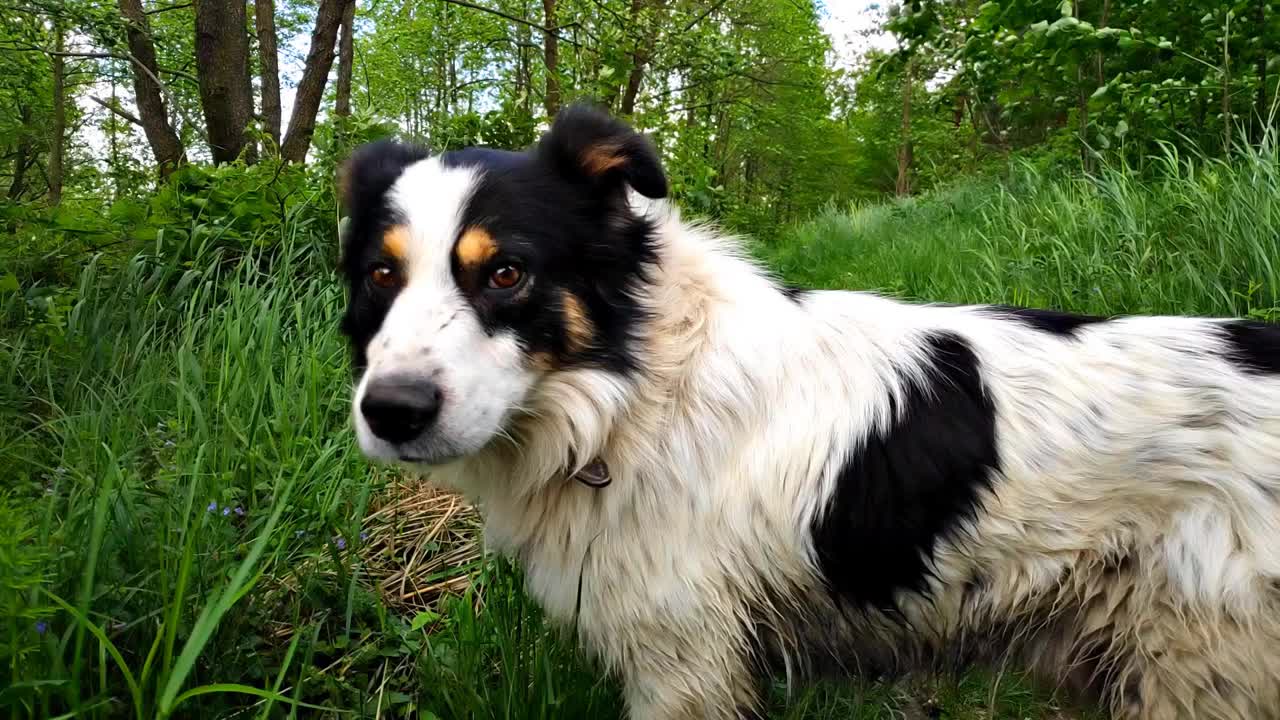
[(423, 543)]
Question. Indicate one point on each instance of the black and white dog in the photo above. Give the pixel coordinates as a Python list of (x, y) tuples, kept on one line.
[(722, 478)]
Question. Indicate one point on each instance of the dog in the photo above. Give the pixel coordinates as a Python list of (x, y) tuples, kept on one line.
[(722, 480)]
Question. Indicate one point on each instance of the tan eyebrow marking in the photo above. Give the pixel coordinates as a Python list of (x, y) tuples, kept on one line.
[(475, 247), (395, 242), (578, 325)]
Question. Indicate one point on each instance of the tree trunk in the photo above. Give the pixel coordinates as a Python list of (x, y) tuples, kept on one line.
[(22, 157), (306, 103), (636, 76), (166, 146), (346, 58), (1101, 58), (113, 147), (524, 67), (1082, 105), (551, 57), (222, 64), (1082, 112), (1226, 86), (1100, 70), (1262, 113), (59, 130), (264, 17), (905, 151), (643, 53)]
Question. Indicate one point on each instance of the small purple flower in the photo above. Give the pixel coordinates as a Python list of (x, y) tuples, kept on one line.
[(341, 543), (226, 511), (41, 627), (239, 511), (364, 536), (213, 506)]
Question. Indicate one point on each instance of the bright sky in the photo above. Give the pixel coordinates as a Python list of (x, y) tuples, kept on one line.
[(854, 28)]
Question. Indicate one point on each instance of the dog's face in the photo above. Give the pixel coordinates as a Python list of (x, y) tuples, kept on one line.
[(474, 274)]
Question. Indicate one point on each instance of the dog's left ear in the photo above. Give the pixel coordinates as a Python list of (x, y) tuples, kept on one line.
[(588, 145)]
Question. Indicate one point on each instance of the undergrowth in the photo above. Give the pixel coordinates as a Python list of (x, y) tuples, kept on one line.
[(1189, 236), (181, 526)]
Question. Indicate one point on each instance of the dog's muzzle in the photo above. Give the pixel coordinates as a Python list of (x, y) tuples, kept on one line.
[(401, 408)]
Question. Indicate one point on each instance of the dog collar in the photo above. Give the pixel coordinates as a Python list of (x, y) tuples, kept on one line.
[(594, 474)]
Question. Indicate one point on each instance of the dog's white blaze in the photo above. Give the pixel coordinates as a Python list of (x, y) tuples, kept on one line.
[(431, 329)]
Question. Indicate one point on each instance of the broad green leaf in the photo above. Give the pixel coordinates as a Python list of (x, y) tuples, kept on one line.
[(422, 619)]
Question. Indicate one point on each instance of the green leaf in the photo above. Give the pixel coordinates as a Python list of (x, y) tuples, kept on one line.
[(422, 619), (134, 691), (250, 690), (1102, 90), (207, 621), (1063, 23), (8, 283)]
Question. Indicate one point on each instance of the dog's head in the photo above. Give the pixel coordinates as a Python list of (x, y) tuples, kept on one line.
[(474, 274)]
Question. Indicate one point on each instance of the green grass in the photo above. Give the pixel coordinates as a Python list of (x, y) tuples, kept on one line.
[(1193, 237), (151, 405)]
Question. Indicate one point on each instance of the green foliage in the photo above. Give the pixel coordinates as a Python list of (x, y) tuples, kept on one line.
[(539, 674), (736, 93), (1196, 238), (1112, 76), (230, 206), (172, 395)]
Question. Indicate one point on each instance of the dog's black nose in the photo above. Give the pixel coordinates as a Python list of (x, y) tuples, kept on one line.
[(399, 408)]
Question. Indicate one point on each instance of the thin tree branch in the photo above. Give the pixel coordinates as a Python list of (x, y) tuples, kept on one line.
[(167, 8), (123, 57), (64, 53), (512, 18), (118, 111), (710, 9)]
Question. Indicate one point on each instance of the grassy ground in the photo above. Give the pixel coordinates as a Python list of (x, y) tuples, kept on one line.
[(186, 528)]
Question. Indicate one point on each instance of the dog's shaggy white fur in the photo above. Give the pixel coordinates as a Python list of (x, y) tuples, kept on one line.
[(1118, 530)]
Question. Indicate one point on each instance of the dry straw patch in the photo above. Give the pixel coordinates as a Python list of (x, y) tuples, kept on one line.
[(423, 543), (420, 544)]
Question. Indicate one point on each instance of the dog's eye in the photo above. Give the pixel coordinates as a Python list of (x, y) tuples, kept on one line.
[(384, 276), (506, 277)]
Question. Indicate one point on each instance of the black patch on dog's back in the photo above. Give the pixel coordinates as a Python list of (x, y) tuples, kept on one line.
[(794, 293), (1054, 322), (911, 483), (1254, 346)]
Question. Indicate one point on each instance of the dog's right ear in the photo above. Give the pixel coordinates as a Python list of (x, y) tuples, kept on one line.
[(588, 145), (370, 171)]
